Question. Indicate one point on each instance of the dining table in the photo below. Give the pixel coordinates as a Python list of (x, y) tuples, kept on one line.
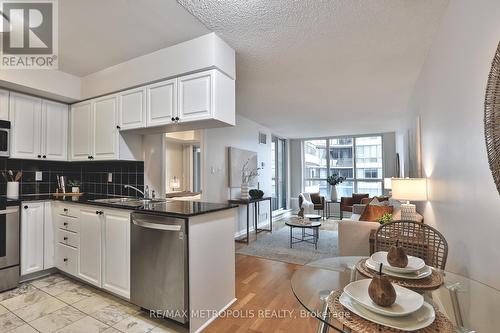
[(468, 305)]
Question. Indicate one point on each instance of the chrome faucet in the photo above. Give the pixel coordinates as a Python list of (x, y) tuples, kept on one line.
[(145, 194)]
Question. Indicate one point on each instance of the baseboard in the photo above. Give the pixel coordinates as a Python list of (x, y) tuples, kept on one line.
[(208, 322)]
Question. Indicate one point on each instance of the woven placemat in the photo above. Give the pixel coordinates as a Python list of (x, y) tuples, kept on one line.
[(432, 282), (360, 325)]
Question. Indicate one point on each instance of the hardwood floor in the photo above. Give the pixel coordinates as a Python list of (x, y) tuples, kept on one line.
[(263, 285)]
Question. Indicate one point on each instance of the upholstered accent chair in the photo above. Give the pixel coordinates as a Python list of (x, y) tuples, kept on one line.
[(346, 203), (319, 203)]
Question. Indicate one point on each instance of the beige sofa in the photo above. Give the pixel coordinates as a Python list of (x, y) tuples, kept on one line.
[(354, 236)]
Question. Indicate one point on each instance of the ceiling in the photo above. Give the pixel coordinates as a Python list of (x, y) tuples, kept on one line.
[(313, 68), (96, 34)]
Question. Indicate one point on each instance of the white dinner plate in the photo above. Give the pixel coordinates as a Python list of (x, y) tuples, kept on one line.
[(407, 301), (414, 263), (420, 274), (417, 320)]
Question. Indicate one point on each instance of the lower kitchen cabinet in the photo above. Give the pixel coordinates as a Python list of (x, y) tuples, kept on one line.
[(37, 237), (116, 252), (89, 251)]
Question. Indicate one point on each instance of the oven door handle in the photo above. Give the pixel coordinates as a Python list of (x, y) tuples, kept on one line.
[(149, 225)]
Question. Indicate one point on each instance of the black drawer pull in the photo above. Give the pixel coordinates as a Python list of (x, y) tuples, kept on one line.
[(65, 259), (65, 238), (25, 207), (65, 210), (65, 223)]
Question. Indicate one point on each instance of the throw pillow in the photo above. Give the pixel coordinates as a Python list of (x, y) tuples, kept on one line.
[(356, 197), (372, 213), (396, 215), (377, 202)]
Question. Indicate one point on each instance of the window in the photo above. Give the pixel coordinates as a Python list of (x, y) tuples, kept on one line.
[(359, 159)]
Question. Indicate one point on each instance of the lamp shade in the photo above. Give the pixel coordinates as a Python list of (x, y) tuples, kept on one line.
[(411, 189)]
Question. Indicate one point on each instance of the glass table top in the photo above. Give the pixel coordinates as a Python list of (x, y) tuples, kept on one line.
[(470, 305)]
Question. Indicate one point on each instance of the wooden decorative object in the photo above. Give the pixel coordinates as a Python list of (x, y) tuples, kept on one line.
[(357, 324), (432, 282), (69, 194), (492, 118)]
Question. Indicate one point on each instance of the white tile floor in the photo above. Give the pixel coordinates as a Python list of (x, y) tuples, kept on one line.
[(59, 304)]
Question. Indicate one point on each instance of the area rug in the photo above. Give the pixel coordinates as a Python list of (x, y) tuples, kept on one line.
[(276, 246)]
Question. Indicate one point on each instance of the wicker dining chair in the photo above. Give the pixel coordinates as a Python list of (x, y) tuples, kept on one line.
[(417, 239)]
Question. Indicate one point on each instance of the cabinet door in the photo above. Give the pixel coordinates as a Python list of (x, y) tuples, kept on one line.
[(196, 96), (49, 232), (132, 106), (4, 105), (54, 130), (89, 252), (161, 102), (116, 265), (81, 131), (105, 131), (32, 216), (25, 117)]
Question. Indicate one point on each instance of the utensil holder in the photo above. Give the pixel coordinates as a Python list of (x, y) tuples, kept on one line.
[(12, 190)]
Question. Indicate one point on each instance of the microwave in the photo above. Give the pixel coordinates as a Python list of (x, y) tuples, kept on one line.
[(4, 138)]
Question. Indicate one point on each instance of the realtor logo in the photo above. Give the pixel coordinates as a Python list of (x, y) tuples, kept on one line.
[(29, 34)]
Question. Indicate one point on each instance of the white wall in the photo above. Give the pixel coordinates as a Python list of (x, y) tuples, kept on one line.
[(245, 135), (449, 97)]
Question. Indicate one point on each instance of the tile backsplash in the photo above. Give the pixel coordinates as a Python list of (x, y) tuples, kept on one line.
[(93, 176)]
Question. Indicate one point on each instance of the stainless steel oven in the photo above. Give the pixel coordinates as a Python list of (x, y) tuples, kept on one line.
[(9, 247), (4, 138)]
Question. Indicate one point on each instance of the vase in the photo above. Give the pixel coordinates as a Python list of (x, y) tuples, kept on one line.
[(333, 194), (75, 189), (13, 190), (244, 192)]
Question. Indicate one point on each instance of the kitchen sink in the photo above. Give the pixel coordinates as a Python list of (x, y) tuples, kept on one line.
[(129, 201)]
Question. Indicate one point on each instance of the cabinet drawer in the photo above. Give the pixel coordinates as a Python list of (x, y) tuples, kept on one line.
[(66, 210), (67, 223), (67, 238), (66, 259)]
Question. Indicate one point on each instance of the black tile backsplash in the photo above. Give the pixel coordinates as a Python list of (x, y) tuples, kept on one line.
[(93, 176)]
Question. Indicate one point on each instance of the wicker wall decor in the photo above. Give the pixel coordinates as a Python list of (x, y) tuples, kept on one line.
[(492, 118)]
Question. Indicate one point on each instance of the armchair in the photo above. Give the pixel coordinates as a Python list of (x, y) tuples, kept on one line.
[(318, 201), (346, 203)]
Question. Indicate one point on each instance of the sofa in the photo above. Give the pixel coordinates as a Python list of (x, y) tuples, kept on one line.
[(354, 235)]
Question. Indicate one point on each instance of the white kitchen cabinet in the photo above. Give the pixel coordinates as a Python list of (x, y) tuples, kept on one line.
[(89, 251), (81, 131), (54, 143), (4, 104), (39, 128), (116, 252), (49, 231), (132, 108), (32, 237), (161, 102), (105, 138), (196, 96), (25, 116)]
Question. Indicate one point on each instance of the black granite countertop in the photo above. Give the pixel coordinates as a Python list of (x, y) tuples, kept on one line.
[(168, 208)]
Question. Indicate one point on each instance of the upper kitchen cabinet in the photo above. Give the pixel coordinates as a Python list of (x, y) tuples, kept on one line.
[(196, 96), (105, 124), (132, 108), (81, 131), (4, 105), (39, 128), (54, 131), (161, 103), (94, 132), (25, 116)]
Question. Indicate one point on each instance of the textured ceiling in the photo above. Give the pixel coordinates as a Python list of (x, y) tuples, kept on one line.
[(309, 68), (96, 34)]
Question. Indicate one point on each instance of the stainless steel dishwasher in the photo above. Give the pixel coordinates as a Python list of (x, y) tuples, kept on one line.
[(159, 265)]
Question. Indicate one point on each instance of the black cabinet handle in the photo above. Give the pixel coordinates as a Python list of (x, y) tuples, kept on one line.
[(65, 209), (173, 119), (118, 127), (65, 259), (25, 207), (89, 157), (96, 212), (39, 156), (177, 118), (65, 238), (44, 156), (101, 212), (65, 223)]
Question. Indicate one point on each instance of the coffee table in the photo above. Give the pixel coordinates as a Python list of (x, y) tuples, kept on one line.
[(311, 238), (312, 217)]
